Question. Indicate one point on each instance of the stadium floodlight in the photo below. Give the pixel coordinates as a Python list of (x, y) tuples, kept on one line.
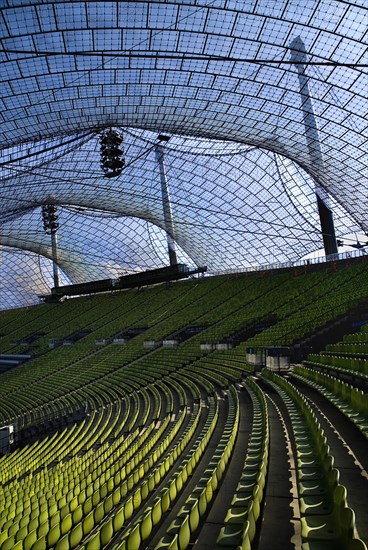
[(112, 152), (50, 219)]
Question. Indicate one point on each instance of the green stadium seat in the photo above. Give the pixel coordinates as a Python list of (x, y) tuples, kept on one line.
[(327, 527), (134, 538), (146, 525), (54, 535), (106, 532), (118, 519), (94, 543), (63, 543), (76, 535), (30, 540), (9, 543), (40, 544)]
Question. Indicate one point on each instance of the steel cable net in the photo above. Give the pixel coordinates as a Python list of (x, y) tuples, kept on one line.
[(221, 79)]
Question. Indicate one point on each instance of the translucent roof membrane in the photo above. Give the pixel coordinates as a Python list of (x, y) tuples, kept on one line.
[(248, 92)]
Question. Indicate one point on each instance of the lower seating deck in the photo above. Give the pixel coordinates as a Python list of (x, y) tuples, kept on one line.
[(188, 470)]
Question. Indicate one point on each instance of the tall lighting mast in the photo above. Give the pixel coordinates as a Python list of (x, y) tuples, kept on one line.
[(51, 226)]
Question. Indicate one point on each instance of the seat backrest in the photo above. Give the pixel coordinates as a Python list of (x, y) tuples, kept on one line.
[(339, 497), (347, 523)]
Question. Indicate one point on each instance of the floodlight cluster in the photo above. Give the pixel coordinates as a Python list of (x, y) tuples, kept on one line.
[(112, 160), (50, 219)]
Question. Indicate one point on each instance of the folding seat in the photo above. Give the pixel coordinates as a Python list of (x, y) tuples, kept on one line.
[(14, 529), (9, 543), (163, 469), (87, 506), (146, 524), (5, 523), (63, 543), (248, 476), (134, 538), (326, 527), (90, 490), (182, 526), (40, 544), (312, 459), (257, 499), (30, 540), (43, 529), (66, 524), (20, 533), (11, 510), (35, 512), (128, 508), (202, 502), (110, 484), (123, 489), (3, 536), (209, 491), (144, 490), (73, 503), (18, 546), (76, 535), (319, 487), (238, 512), (103, 491), (64, 511), (88, 523), (156, 511), (96, 497), (116, 496), (318, 472), (252, 523), (77, 515), (137, 498), (99, 513), (247, 481), (245, 542), (173, 490), (61, 501), (184, 466), (231, 535), (165, 500), (55, 519)]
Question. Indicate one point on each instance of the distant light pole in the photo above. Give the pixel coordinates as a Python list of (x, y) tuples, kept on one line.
[(51, 226)]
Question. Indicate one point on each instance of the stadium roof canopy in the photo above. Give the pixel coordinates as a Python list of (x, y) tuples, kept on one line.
[(246, 90)]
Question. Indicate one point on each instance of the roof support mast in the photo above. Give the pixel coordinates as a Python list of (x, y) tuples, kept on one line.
[(166, 203), (299, 58)]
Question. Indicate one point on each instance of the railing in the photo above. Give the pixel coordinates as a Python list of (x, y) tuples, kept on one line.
[(297, 263)]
